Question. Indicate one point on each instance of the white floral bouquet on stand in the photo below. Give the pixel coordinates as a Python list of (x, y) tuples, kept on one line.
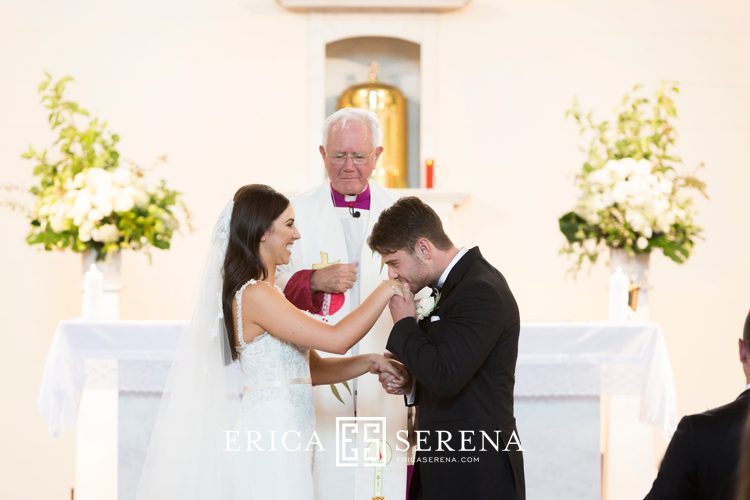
[(630, 192), (86, 199)]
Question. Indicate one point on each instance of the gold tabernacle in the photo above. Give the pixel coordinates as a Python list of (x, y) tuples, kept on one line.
[(389, 104)]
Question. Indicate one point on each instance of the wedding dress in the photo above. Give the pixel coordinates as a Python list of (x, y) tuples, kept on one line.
[(277, 419), (231, 430)]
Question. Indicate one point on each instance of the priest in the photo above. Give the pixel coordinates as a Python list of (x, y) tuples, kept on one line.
[(331, 270)]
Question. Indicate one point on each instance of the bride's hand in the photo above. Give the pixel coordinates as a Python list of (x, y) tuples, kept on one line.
[(393, 376), (406, 292), (397, 287), (390, 368)]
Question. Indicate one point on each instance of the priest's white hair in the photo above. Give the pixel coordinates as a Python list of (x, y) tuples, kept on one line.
[(345, 115)]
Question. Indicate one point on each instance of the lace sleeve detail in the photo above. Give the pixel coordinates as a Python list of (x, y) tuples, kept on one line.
[(238, 297)]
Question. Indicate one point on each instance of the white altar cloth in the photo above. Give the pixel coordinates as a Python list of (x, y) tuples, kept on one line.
[(632, 359), (75, 342), (575, 362)]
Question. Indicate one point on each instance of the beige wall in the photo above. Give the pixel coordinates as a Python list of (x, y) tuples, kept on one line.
[(220, 87)]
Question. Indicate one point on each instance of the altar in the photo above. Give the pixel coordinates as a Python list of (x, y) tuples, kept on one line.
[(576, 384)]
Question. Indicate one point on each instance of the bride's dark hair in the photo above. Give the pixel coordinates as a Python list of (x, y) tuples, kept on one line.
[(255, 208)]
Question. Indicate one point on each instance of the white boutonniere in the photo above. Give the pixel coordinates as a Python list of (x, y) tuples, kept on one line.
[(426, 305)]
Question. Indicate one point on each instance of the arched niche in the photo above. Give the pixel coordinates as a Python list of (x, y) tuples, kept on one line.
[(341, 47), (348, 63)]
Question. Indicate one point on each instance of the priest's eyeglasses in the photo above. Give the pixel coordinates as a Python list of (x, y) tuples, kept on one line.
[(357, 157)]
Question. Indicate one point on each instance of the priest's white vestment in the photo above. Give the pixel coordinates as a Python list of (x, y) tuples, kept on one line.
[(324, 231)]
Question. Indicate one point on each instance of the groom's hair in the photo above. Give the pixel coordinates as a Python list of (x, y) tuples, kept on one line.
[(400, 226), (746, 332)]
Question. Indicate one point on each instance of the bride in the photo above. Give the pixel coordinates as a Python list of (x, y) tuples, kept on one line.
[(237, 419)]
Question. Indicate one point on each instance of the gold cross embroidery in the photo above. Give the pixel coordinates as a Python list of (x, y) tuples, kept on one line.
[(324, 261)]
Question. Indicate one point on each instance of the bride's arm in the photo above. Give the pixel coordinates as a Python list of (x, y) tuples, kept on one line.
[(334, 370), (264, 306)]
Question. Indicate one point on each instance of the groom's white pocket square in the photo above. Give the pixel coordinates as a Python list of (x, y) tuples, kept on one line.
[(434, 318)]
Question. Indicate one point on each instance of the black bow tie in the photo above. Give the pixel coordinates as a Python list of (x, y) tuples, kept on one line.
[(435, 291)]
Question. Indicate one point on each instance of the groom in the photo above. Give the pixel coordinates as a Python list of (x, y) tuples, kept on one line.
[(462, 356)]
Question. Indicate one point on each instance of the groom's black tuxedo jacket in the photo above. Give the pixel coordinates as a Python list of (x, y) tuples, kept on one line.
[(464, 364), (701, 460)]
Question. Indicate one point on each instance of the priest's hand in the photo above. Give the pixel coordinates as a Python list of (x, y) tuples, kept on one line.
[(336, 278)]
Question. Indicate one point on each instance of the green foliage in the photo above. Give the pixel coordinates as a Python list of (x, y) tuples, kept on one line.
[(86, 197), (337, 394), (632, 194), (643, 129)]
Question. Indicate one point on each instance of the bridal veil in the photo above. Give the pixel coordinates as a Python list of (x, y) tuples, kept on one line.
[(186, 457)]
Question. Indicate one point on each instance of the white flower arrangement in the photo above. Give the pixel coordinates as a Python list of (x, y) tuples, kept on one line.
[(629, 192), (93, 195), (85, 198)]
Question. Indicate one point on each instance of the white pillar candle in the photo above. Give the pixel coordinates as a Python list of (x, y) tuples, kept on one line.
[(93, 291), (618, 296)]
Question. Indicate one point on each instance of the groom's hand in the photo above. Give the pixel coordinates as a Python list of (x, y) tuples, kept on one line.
[(393, 384), (336, 278), (403, 307)]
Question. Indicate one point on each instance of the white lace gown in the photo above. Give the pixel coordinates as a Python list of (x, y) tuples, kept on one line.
[(276, 421)]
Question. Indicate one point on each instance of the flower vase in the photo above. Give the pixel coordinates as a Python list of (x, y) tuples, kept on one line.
[(108, 308), (636, 268)]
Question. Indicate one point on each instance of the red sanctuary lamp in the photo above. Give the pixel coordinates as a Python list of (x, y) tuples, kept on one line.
[(430, 173)]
